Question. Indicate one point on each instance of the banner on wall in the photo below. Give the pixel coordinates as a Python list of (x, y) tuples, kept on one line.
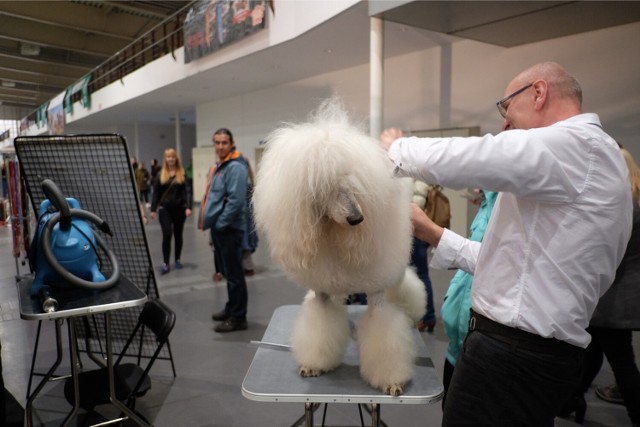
[(55, 115), (41, 114), (80, 85), (213, 24)]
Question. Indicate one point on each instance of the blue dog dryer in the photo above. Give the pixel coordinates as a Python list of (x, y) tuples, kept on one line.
[(64, 245)]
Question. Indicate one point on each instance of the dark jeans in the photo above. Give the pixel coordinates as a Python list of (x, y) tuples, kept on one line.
[(447, 374), (171, 222), (497, 384), (228, 243), (217, 262), (419, 261), (616, 344), (144, 196)]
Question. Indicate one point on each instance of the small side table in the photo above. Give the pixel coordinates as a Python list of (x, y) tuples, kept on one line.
[(74, 302)]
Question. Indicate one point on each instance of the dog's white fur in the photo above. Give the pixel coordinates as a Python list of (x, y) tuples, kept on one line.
[(315, 179)]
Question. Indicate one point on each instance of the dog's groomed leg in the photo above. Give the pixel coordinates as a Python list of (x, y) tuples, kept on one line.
[(387, 349), (320, 335)]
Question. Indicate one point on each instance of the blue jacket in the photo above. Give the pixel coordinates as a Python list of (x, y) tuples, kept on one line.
[(457, 302), (226, 205)]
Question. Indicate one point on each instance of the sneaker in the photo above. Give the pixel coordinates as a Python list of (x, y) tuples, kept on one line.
[(164, 268), (217, 277), (249, 273), (230, 325), (178, 265), (610, 394)]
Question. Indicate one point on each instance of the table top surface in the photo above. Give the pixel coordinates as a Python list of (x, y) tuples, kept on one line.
[(79, 301), (273, 375)]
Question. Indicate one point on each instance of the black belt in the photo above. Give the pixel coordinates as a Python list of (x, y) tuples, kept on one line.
[(518, 338)]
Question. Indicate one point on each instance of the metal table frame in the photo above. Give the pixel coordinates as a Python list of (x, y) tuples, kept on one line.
[(75, 303), (273, 375)]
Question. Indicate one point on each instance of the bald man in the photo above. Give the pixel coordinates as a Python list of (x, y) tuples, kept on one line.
[(558, 231)]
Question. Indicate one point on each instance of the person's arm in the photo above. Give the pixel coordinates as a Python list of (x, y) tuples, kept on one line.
[(450, 250), (548, 164), (144, 216), (157, 189), (187, 197), (455, 251), (424, 228)]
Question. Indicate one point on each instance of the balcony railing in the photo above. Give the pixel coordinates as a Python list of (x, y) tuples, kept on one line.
[(161, 40)]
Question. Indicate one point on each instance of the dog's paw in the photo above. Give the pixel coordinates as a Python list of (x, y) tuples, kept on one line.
[(393, 389), (309, 372)]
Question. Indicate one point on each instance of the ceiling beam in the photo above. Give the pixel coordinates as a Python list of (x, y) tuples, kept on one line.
[(62, 25), (22, 30), (71, 60), (130, 7), (97, 17), (60, 70), (12, 75)]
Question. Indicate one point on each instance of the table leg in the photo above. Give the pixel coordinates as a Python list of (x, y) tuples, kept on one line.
[(375, 415), (73, 349), (47, 376), (33, 359), (112, 389), (308, 414)]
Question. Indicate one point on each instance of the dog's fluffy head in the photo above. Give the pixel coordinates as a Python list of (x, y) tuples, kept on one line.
[(334, 216)]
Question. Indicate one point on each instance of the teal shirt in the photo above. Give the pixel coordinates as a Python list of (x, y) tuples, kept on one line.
[(457, 302)]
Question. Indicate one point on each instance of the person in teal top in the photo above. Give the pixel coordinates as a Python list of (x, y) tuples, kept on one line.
[(457, 302)]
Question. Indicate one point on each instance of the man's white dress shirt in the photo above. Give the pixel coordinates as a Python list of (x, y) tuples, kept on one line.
[(558, 230)]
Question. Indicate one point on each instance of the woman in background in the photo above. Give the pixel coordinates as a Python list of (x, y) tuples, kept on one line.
[(172, 201)]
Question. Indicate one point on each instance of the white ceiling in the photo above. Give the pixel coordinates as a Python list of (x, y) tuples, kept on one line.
[(409, 26)]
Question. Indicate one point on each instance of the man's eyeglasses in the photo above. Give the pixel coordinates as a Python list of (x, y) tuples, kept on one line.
[(502, 107)]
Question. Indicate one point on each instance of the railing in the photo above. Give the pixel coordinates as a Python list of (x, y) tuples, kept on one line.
[(162, 39)]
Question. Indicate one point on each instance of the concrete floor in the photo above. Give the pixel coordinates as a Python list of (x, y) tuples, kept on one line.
[(211, 366)]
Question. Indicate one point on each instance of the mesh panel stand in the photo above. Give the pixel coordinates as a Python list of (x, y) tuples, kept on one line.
[(96, 171)]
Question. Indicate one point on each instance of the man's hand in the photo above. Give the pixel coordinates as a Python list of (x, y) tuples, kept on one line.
[(424, 228), (388, 136)]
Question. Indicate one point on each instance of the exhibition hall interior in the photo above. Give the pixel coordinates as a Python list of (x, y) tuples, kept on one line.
[(89, 88)]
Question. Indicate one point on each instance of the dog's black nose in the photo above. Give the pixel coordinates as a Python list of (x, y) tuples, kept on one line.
[(355, 220)]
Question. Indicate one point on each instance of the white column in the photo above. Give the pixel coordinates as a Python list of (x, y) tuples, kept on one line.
[(178, 140), (136, 141), (376, 77)]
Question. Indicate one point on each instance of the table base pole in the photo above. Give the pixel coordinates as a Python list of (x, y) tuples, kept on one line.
[(47, 376)]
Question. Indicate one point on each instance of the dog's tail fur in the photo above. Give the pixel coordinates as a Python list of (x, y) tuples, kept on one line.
[(410, 294)]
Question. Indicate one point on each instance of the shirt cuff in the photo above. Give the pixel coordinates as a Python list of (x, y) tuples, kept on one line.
[(396, 157), (444, 256)]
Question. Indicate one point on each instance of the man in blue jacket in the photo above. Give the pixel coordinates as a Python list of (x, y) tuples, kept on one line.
[(225, 214)]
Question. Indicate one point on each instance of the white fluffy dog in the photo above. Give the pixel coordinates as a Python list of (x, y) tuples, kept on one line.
[(338, 222)]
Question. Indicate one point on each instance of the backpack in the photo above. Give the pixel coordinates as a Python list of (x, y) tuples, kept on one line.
[(438, 207)]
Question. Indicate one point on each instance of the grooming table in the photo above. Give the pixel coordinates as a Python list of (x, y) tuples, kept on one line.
[(273, 375)]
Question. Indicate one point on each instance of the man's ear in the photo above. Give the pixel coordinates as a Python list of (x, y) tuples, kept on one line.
[(540, 93)]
